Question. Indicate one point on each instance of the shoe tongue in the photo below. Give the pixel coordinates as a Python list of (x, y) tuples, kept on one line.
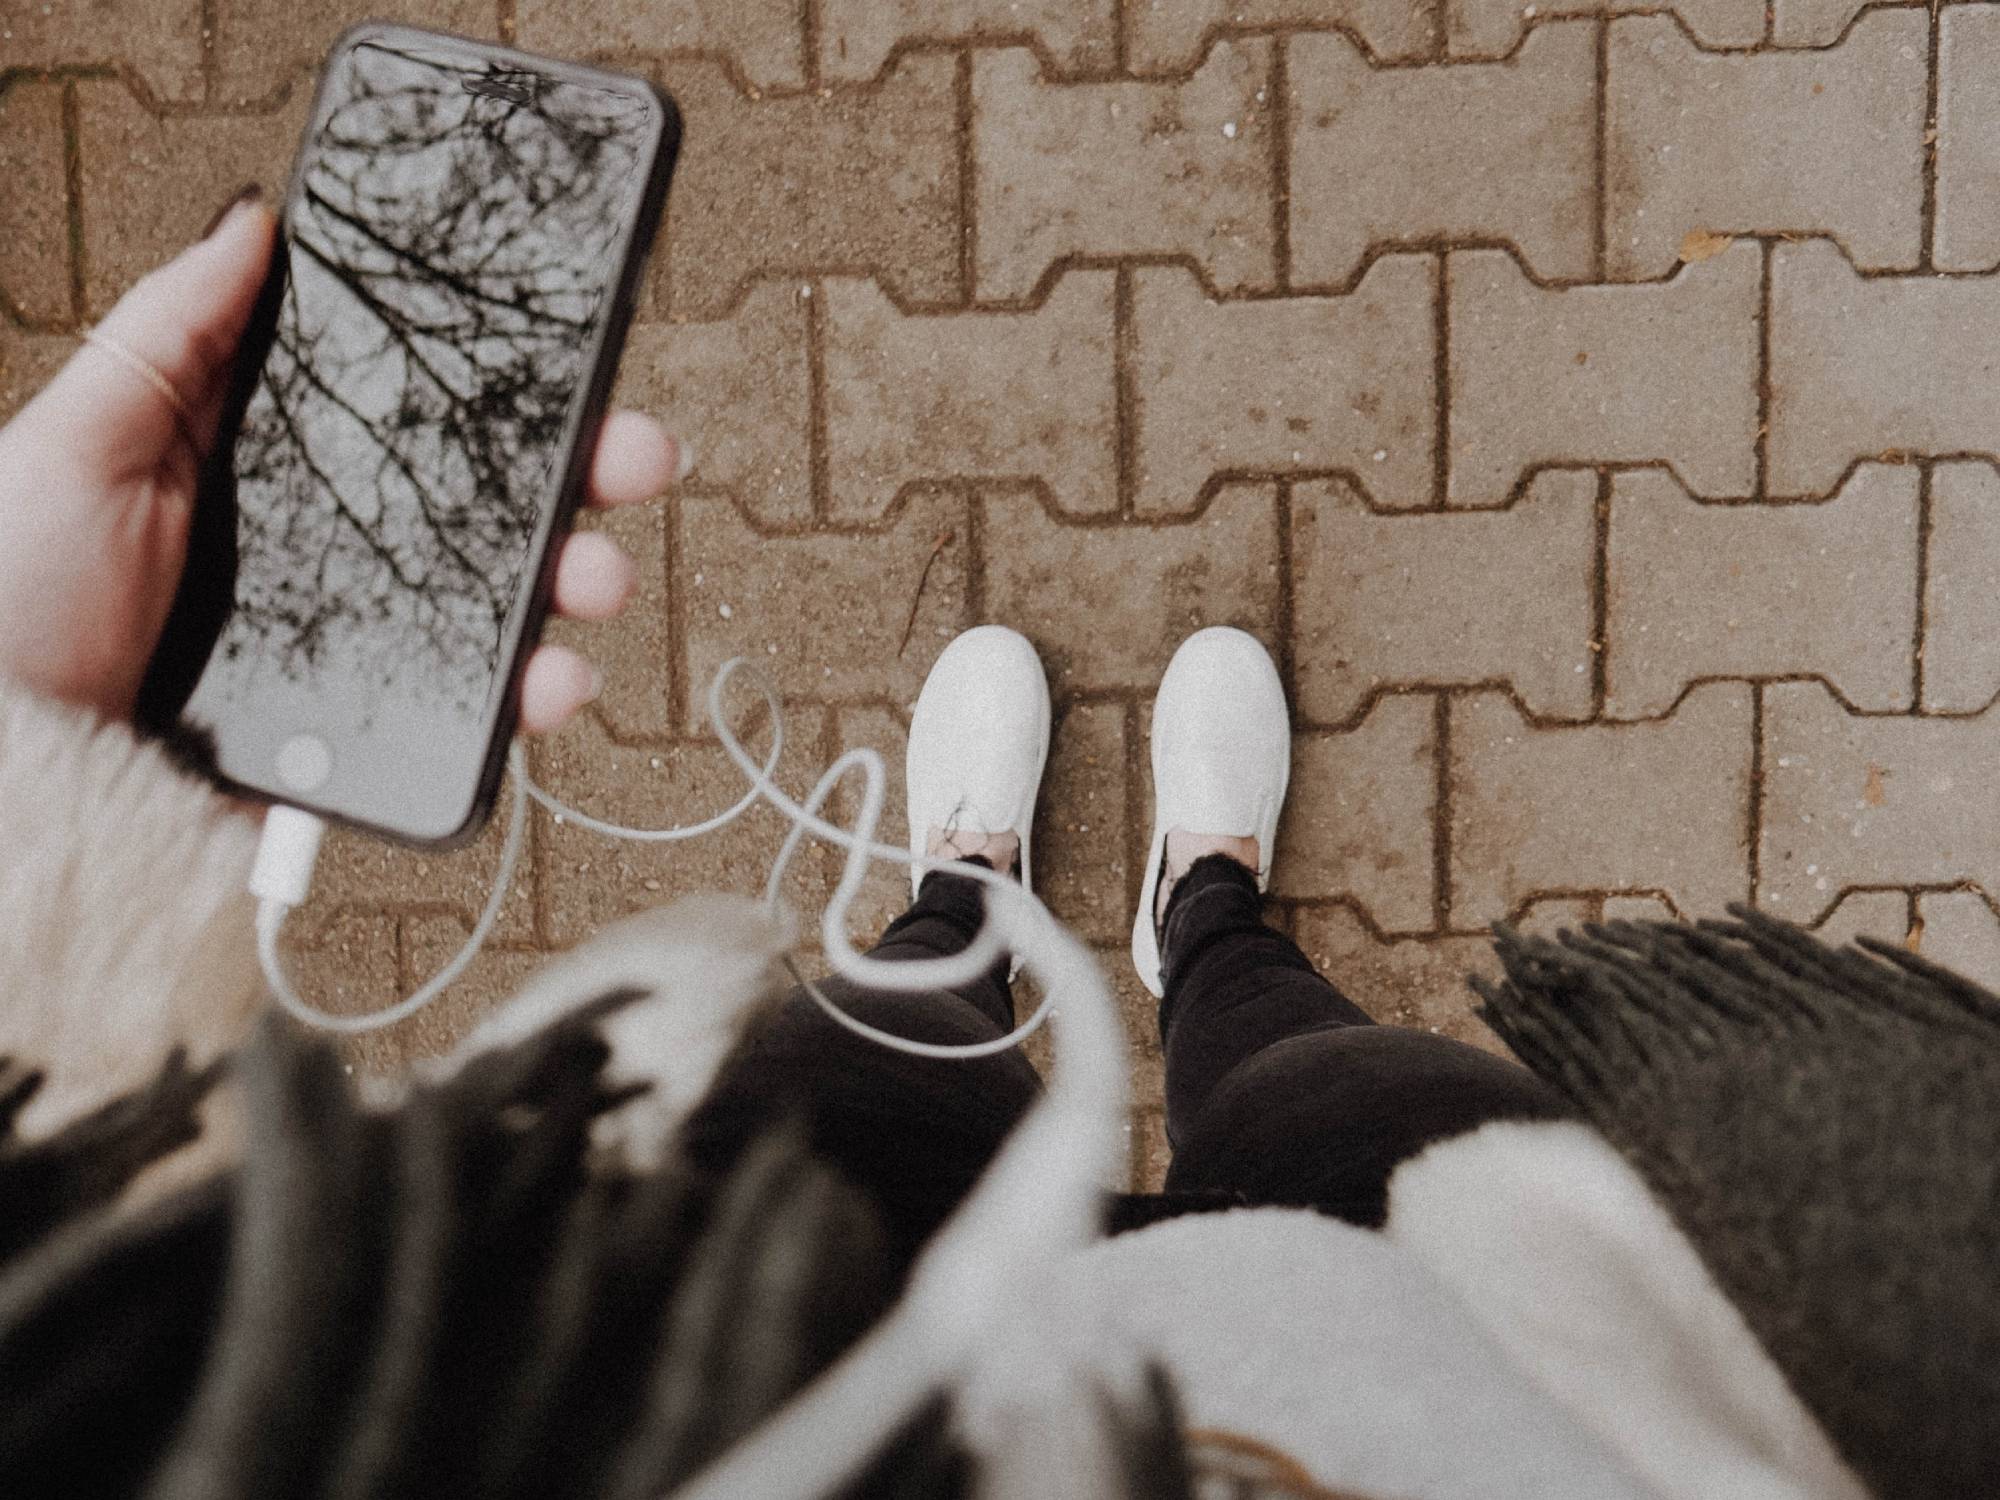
[(988, 804), (984, 812)]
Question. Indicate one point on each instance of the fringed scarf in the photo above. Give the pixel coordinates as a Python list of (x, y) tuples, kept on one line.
[(1825, 1128), (455, 1297)]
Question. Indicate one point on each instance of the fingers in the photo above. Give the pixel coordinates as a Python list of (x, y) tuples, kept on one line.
[(557, 684), (635, 460), (184, 319), (594, 577)]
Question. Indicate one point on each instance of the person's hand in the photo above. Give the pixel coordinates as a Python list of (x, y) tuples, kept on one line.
[(97, 481)]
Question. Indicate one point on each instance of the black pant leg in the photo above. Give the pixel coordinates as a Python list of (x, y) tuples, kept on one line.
[(914, 1132), (1280, 1090), (1233, 986)]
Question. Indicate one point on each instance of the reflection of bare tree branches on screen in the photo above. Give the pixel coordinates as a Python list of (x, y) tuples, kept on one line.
[(448, 257)]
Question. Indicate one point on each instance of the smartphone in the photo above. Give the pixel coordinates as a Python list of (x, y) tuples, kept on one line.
[(410, 428)]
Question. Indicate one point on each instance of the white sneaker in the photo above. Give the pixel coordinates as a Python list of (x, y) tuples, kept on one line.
[(978, 741), (1222, 757)]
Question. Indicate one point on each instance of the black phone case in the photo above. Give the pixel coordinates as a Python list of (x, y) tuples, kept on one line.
[(198, 614)]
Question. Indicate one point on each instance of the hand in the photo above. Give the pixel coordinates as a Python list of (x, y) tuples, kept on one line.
[(97, 480)]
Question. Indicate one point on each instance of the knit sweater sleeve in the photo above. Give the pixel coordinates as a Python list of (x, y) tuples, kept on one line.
[(124, 929)]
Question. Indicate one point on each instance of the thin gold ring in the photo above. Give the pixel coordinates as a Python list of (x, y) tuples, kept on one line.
[(145, 370)]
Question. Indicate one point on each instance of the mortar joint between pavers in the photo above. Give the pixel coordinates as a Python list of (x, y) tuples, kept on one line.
[(1922, 625), (1280, 85), (1600, 227), (1441, 392), (812, 29), (1288, 612), (1125, 392), (79, 250), (968, 198), (1599, 645), (1353, 906), (1755, 849), (1914, 890), (1441, 812)]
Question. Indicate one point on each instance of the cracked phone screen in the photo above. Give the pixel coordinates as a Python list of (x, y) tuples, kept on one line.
[(455, 236)]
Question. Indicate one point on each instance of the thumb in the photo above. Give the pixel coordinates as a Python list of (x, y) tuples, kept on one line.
[(185, 320)]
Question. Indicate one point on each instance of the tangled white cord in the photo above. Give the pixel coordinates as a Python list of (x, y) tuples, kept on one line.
[(1013, 917)]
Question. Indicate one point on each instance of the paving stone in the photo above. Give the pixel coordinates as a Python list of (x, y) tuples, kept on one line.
[(1107, 606), (1416, 982), (635, 652), (1495, 596), (740, 390), (1639, 909), (1170, 36), (857, 36), (1851, 800), (1296, 385), (1816, 23), (159, 40), (1699, 590), (427, 944), (1358, 816), (344, 963), (1616, 374), (1968, 139), (1884, 366), (359, 870), (151, 183), (885, 894), (261, 48), (1876, 914), (1509, 153), (1883, 914), (1660, 806), (1962, 579), (1959, 930), (861, 181), (1015, 395), (34, 211), (1080, 861), (1550, 916), (28, 361), (1826, 141), (1151, 1154), (819, 616), (1492, 28), (589, 880), (1100, 169), (1420, 982), (1038, 1047), (1138, 1014), (762, 39)]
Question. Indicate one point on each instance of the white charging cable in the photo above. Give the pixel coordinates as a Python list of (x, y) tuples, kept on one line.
[(282, 876)]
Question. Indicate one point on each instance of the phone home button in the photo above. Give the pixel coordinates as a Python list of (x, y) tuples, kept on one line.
[(304, 763)]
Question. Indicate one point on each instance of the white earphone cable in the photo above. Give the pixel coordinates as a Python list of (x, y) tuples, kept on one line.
[(290, 847)]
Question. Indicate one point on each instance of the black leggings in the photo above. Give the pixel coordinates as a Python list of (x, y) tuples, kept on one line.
[(1279, 1089)]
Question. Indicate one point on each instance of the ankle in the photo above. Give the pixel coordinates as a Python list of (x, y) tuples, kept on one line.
[(1184, 849)]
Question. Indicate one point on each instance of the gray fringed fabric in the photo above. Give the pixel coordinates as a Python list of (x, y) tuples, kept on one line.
[(1825, 1127), (452, 1298)]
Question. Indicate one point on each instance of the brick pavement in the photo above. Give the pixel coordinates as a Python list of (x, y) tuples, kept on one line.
[(1593, 411)]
